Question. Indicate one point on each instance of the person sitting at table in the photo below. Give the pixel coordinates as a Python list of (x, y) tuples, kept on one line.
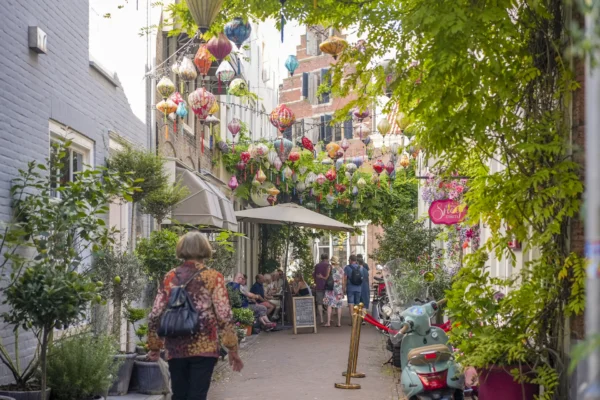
[(274, 292), (249, 301), (259, 290), (299, 286)]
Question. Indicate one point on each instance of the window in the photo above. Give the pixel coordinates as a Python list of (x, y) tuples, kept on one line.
[(315, 35), (78, 156), (311, 81)]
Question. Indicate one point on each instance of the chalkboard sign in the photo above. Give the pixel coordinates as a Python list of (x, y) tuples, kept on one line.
[(304, 313)]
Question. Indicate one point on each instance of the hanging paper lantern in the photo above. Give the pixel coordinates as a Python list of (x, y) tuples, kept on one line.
[(176, 98), (282, 117), (238, 87), (283, 147), (294, 156), (339, 154), (211, 120), (302, 169), (166, 106), (362, 129), (277, 163), (300, 186), (287, 172), (404, 160), (214, 109), (307, 144), (245, 156), (330, 198), (234, 127), (273, 191), (345, 145), (261, 150), (252, 151), (272, 200), (366, 140), (355, 190), (384, 127), (204, 12), (361, 183), (291, 64), (321, 179), (225, 150), (187, 70), (338, 164), (201, 101), (401, 122), (175, 67), (310, 178), (271, 156), (294, 177), (345, 202), (330, 175), (358, 161), (225, 72), (240, 166), (378, 166), (255, 182), (395, 147), (165, 87), (340, 188), (238, 31), (326, 161), (333, 46), (182, 111), (351, 168), (203, 60), (389, 167), (260, 176), (332, 149), (233, 183), (384, 149), (361, 114), (219, 46)]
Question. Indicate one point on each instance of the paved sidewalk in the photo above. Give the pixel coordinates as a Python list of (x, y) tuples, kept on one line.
[(281, 365)]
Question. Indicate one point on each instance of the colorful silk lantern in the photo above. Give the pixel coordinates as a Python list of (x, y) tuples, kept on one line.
[(330, 175), (225, 150), (310, 178), (204, 12), (165, 87), (332, 149), (362, 129), (211, 120), (240, 166), (277, 164), (272, 200), (245, 156), (294, 156), (340, 187), (261, 150), (355, 190), (201, 101), (404, 160), (203, 60), (351, 168), (366, 140), (219, 46), (282, 117), (320, 179), (225, 73), (401, 122), (175, 67), (291, 64), (238, 31), (307, 144), (238, 87), (345, 145), (233, 183), (375, 178), (214, 109), (338, 164), (166, 106), (378, 166), (260, 176), (234, 126), (334, 46), (384, 127), (395, 147), (361, 183), (273, 191), (283, 147), (361, 114), (176, 98), (358, 160), (255, 182), (287, 172), (389, 167), (339, 154), (271, 156), (300, 186), (330, 198), (182, 110), (187, 70)]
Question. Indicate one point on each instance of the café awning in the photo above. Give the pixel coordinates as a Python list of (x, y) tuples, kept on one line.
[(227, 211), (201, 206)]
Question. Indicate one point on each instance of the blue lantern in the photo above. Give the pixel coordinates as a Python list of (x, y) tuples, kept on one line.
[(291, 64), (237, 31)]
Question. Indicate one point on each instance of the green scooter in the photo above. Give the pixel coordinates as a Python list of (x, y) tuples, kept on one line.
[(429, 371)]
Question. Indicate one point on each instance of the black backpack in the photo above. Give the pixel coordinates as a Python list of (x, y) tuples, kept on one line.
[(356, 276), (181, 317), (329, 282)]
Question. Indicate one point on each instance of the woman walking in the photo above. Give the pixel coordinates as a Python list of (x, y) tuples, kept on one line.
[(192, 358), (334, 298)]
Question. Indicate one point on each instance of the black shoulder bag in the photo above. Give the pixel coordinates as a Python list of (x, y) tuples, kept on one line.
[(329, 283), (181, 317)]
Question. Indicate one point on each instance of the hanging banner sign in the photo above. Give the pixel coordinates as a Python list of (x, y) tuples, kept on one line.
[(447, 212)]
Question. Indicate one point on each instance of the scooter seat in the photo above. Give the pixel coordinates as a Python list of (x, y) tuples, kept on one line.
[(416, 356)]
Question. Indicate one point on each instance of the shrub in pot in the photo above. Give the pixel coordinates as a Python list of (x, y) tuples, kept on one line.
[(245, 317), (81, 366)]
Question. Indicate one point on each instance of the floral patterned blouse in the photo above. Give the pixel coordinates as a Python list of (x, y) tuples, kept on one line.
[(209, 294)]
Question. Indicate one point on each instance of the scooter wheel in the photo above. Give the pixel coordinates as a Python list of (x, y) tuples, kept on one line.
[(459, 395), (396, 357)]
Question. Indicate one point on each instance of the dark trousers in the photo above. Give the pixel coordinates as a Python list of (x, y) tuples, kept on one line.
[(190, 377)]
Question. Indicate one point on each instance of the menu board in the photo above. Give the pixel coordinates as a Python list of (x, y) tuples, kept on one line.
[(304, 313)]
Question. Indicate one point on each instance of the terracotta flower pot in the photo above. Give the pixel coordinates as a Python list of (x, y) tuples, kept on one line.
[(497, 383), (249, 330)]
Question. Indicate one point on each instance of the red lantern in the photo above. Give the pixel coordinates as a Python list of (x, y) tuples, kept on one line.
[(203, 60), (219, 46), (245, 156), (241, 166), (282, 117), (378, 166), (340, 188), (331, 175), (308, 144), (294, 156)]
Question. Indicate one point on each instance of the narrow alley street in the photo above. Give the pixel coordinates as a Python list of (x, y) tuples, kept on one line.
[(281, 365)]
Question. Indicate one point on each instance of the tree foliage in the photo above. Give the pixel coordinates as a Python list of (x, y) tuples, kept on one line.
[(160, 202), (157, 253)]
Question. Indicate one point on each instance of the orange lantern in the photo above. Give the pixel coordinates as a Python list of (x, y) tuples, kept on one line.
[(203, 60), (333, 46)]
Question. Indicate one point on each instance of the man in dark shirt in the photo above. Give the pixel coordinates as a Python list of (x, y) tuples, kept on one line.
[(259, 290), (322, 271)]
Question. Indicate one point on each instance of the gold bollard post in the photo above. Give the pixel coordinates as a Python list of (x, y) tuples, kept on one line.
[(357, 345), (355, 325)]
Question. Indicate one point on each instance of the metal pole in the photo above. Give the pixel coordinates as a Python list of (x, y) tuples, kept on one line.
[(592, 206), (285, 285)]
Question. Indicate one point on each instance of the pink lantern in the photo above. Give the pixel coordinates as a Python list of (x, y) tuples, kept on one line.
[(245, 156), (277, 163), (340, 188), (345, 145), (362, 129), (282, 117), (378, 166), (331, 175), (240, 166), (201, 101), (234, 128), (219, 46), (360, 115), (321, 179), (176, 98), (225, 73), (390, 167), (233, 183)]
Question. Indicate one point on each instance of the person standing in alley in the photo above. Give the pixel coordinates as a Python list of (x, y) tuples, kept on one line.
[(334, 297), (192, 358), (320, 275), (365, 293), (353, 279)]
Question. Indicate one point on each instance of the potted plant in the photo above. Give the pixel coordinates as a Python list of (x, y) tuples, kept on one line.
[(241, 332), (122, 276), (157, 254), (148, 377), (245, 317), (63, 224), (81, 366)]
